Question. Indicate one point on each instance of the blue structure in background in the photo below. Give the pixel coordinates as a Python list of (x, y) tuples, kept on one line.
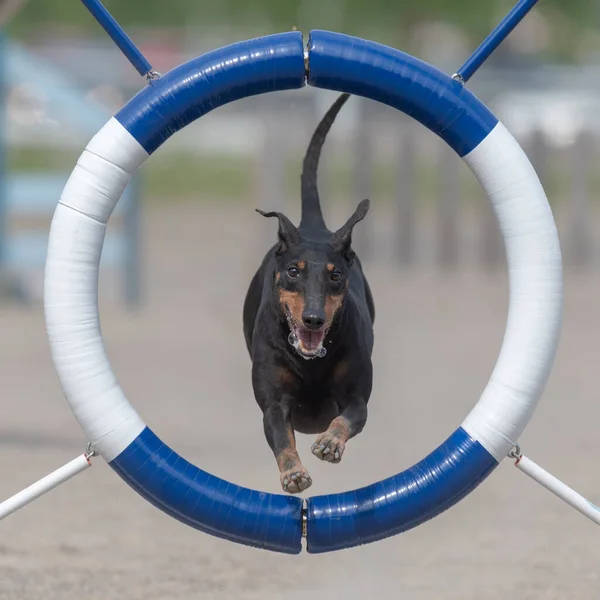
[(3, 135), (35, 194)]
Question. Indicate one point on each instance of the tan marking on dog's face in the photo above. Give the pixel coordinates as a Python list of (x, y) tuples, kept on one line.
[(330, 267), (301, 265), (332, 305), (277, 276), (294, 302)]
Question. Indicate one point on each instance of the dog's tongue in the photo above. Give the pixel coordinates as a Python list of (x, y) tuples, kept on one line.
[(310, 339)]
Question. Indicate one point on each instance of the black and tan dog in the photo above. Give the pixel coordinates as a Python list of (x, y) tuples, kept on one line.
[(308, 322)]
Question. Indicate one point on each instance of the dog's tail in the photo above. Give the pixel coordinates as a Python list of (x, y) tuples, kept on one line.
[(311, 205)]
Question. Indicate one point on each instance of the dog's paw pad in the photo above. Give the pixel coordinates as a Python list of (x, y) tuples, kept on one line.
[(329, 448), (295, 481)]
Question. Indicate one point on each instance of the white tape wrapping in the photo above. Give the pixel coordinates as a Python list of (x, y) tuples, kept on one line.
[(71, 289), (536, 292)]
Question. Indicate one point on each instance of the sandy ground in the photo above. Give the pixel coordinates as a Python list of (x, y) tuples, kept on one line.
[(182, 362)]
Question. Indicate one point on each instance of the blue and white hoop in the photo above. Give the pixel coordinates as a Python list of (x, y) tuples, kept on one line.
[(272, 521)]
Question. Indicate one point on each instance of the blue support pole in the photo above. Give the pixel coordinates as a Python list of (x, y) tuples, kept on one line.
[(119, 37), (498, 35)]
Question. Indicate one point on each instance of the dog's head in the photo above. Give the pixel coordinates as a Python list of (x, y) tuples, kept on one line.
[(311, 280)]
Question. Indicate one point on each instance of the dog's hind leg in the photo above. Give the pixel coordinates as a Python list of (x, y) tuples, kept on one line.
[(330, 445), (280, 436)]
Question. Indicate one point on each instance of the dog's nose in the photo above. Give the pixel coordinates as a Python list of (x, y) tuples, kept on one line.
[(313, 319)]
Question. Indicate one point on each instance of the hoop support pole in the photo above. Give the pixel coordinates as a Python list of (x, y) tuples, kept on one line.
[(119, 37), (557, 487), (493, 40), (37, 489)]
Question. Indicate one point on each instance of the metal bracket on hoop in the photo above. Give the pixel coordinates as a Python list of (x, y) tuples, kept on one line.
[(152, 76), (90, 452), (516, 453)]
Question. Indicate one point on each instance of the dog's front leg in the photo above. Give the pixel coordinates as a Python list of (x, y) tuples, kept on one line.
[(330, 445), (280, 436)]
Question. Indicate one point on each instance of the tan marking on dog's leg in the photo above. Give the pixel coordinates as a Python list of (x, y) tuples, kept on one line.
[(332, 305), (340, 370), (330, 445), (285, 376), (293, 476)]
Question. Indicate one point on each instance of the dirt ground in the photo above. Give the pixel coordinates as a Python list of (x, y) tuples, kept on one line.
[(182, 361)]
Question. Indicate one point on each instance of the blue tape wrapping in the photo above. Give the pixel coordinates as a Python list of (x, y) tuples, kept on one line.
[(401, 502), (205, 502), (349, 64), (267, 64)]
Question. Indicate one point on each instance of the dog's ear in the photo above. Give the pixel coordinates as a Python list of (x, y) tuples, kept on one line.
[(288, 233), (341, 240)]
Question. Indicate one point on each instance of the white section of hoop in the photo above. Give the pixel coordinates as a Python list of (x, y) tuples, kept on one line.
[(536, 292), (71, 289)]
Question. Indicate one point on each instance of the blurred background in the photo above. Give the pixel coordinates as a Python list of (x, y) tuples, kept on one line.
[(184, 245), (64, 77)]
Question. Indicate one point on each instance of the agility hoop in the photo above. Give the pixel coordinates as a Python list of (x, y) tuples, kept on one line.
[(277, 62), (343, 63)]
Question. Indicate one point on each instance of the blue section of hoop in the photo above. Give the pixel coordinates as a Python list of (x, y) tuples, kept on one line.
[(208, 503), (348, 64), (167, 104), (450, 472), (401, 502)]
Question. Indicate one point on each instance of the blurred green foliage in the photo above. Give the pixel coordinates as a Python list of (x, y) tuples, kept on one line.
[(390, 19)]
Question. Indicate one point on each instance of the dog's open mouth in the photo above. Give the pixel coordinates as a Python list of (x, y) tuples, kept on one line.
[(308, 343), (310, 340)]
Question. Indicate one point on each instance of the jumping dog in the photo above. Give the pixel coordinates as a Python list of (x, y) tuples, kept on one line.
[(308, 322)]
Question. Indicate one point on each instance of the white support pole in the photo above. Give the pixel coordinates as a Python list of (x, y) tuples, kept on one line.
[(557, 487), (37, 489)]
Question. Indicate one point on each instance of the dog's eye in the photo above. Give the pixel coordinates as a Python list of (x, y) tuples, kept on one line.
[(336, 276), (293, 272)]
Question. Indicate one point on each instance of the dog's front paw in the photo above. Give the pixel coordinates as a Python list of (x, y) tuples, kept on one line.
[(329, 447), (295, 480)]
